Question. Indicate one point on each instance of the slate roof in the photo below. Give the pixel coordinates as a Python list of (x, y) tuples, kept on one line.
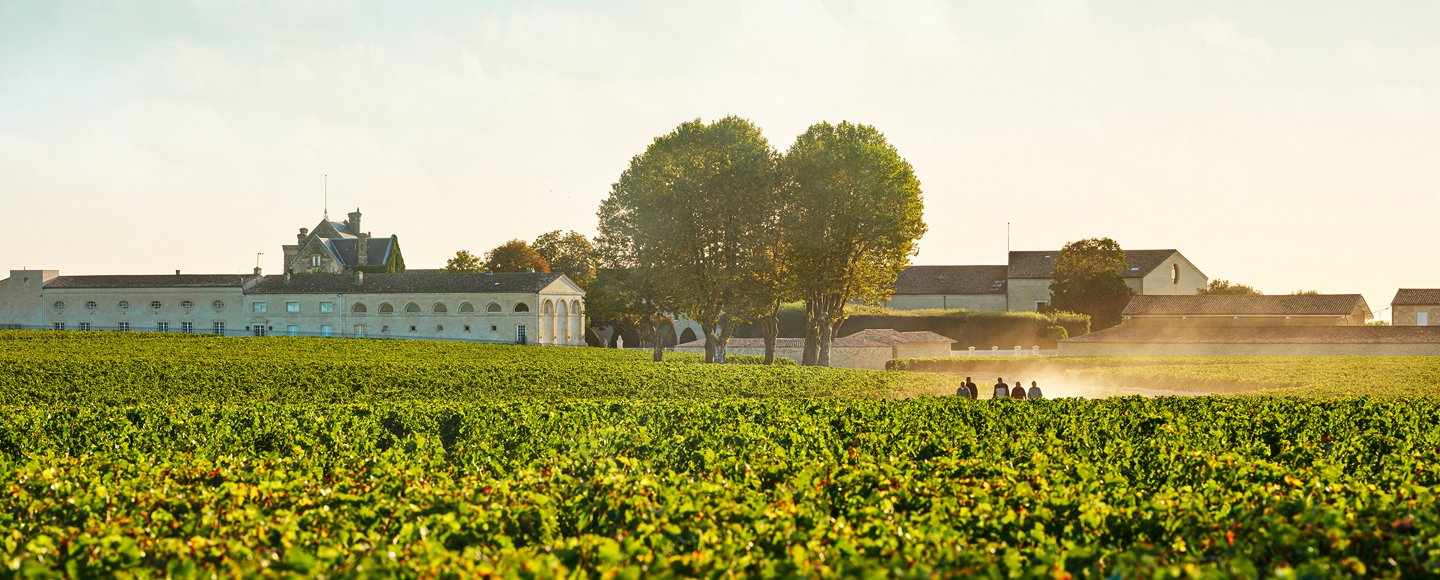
[(407, 283), (1150, 334), (1246, 305), (951, 280), (1041, 265), (347, 250), (150, 281), (1416, 297)]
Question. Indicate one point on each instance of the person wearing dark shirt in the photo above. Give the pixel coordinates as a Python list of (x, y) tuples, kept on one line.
[(974, 390), (1018, 392)]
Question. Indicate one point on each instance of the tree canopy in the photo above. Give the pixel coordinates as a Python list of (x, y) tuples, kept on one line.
[(854, 219), (1087, 281), (1217, 287), (570, 253), (463, 261), (515, 256)]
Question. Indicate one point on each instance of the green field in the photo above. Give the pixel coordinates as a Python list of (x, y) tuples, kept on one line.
[(191, 456)]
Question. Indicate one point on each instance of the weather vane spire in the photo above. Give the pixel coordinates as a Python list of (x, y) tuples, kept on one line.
[(327, 196)]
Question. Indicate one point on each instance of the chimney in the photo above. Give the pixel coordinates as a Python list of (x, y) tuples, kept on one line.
[(359, 277), (304, 233), (362, 253), (287, 276), (257, 271), (354, 221), (177, 272)]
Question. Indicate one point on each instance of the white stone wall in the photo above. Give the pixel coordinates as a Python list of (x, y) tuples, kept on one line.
[(1025, 293), (21, 298), (107, 313), (1161, 281), (545, 320)]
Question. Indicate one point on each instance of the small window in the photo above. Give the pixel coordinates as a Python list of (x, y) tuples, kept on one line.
[(155, 304), (124, 305), (58, 305), (357, 309), (162, 327), (438, 307), (187, 327), (412, 328), (327, 307), (467, 328), (58, 326), (439, 328), (412, 307), (325, 331), (218, 328), (84, 326), (292, 307), (217, 305), (494, 328), (315, 261), (1175, 274), (186, 304), (492, 307), (91, 306), (123, 326), (466, 307), (384, 330), (522, 307), (292, 330), (258, 307), (386, 308)]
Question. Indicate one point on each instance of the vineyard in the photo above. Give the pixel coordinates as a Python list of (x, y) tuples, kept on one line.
[(188, 456)]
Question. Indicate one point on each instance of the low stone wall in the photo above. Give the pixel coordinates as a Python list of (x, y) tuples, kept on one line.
[(869, 357)]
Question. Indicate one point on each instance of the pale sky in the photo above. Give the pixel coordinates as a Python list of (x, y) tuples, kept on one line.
[(1283, 144)]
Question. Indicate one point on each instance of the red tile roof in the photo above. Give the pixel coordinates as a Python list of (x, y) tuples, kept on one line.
[(1416, 297), (1246, 305), (1152, 334)]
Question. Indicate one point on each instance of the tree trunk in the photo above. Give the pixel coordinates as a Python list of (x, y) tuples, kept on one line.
[(711, 341), (651, 332), (812, 335), (827, 335), (722, 341), (659, 352), (770, 329)]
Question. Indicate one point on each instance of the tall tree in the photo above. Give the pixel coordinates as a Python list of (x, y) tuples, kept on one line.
[(515, 256), (1087, 280), (464, 261), (1224, 287), (855, 218), (570, 253), (692, 206), (620, 298)]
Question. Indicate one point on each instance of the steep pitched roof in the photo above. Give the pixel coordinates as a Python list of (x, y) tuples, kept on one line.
[(407, 283), (150, 281), (1153, 334), (1416, 297), (951, 280), (1247, 305), (1041, 265), (347, 250)]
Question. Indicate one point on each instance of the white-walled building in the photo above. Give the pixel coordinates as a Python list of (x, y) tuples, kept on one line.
[(512, 307)]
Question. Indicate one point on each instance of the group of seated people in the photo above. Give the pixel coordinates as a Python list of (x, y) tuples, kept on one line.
[(1002, 390)]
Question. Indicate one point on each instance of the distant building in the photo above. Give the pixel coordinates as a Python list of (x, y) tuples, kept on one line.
[(513, 307), (1416, 307), (1248, 310), (1024, 284), (334, 247), (867, 349)]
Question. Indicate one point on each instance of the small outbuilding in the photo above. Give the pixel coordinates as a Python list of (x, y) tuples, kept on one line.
[(1416, 307)]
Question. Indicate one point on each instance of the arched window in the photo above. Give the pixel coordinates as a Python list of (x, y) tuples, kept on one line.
[(493, 307), (522, 307), (358, 308), (467, 307), (154, 304), (1175, 273), (186, 304), (386, 308), (217, 305), (59, 305), (124, 304), (412, 307), (438, 307), (91, 305)]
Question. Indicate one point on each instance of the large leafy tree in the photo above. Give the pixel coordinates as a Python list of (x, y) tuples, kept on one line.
[(1087, 280), (696, 206), (515, 256), (464, 261), (619, 298), (854, 217), (570, 253), (1226, 287)]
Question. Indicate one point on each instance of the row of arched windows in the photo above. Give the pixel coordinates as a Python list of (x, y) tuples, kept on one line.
[(413, 308)]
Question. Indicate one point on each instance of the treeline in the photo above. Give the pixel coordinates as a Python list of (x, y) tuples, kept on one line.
[(713, 223)]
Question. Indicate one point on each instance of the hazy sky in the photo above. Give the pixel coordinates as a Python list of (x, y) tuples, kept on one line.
[(1282, 144)]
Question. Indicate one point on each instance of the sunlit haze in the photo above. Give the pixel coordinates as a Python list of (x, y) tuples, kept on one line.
[(1285, 145)]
